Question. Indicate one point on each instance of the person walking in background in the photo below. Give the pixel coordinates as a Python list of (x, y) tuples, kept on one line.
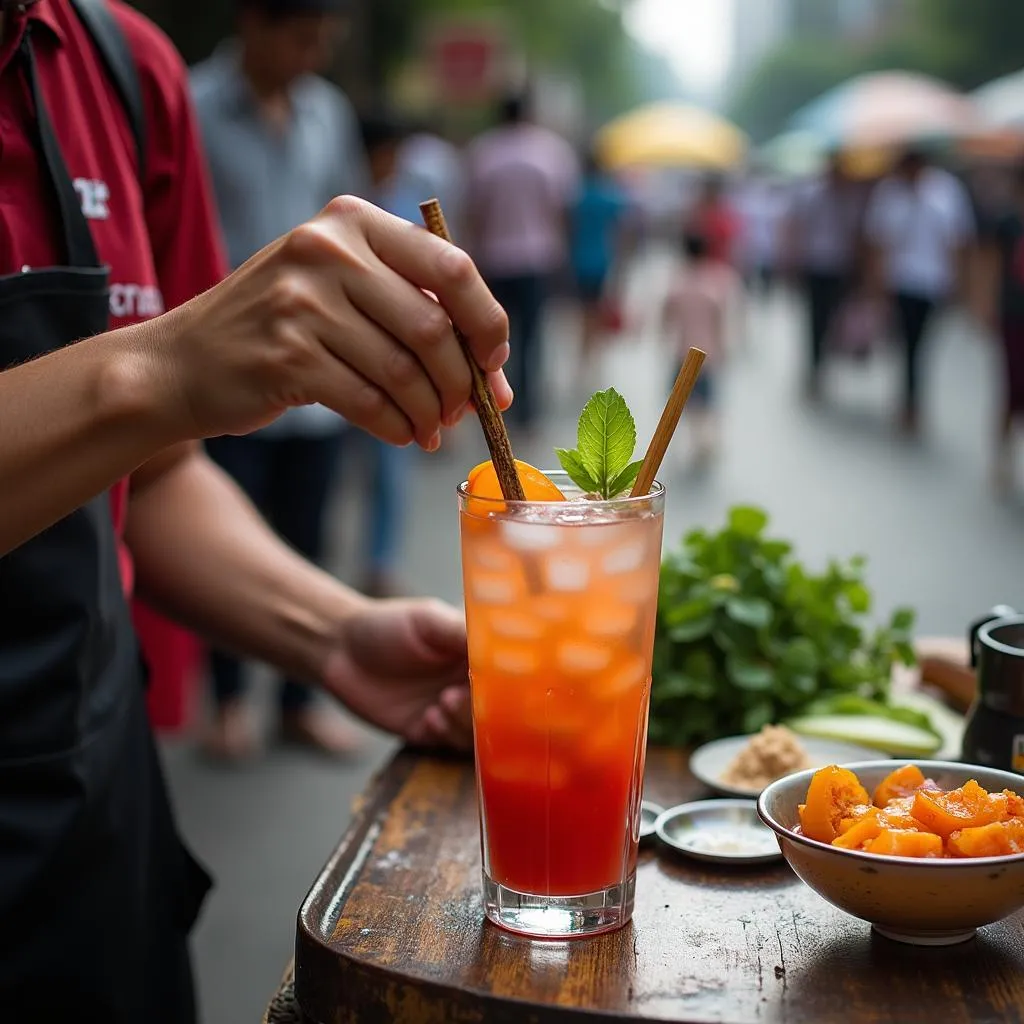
[(919, 225), (433, 166), (713, 217), (821, 248), (522, 179), (1003, 273), (596, 246), (280, 142), (761, 207), (697, 313)]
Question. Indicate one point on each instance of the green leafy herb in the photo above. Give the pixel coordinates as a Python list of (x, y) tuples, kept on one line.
[(605, 440), (748, 635)]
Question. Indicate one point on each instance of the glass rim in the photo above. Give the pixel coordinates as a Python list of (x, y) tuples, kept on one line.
[(628, 501)]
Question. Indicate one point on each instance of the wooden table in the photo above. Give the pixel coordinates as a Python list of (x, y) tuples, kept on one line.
[(393, 931)]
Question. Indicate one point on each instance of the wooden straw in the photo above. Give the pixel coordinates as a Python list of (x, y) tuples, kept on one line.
[(688, 374), (483, 397)]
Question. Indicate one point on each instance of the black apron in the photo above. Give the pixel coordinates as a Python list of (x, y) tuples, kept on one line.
[(96, 892)]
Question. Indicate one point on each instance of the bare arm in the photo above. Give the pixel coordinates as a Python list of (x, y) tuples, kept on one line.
[(204, 556), (71, 424), (332, 313)]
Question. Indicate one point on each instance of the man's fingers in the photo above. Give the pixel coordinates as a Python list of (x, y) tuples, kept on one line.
[(438, 729), (420, 324), (432, 264), (458, 706), (386, 362), (339, 387), (501, 388)]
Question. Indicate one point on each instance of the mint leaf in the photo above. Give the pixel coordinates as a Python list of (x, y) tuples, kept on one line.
[(625, 479), (606, 437), (578, 474)]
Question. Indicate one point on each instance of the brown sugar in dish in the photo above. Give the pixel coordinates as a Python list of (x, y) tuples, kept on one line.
[(775, 751)]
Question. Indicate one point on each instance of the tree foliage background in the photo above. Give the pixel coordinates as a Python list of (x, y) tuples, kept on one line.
[(583, 39), (965, 42)]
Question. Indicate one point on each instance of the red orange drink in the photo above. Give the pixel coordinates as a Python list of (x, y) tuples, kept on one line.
[(561, 598)]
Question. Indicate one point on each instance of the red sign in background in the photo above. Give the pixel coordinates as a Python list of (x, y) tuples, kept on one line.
[(465, 60)]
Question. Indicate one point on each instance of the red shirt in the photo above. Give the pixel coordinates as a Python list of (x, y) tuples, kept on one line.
[(161, 238)]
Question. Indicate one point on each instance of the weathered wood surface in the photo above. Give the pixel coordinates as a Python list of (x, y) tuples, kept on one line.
[(393, 931)]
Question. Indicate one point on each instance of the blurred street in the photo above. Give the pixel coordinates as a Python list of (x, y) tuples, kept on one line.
[(836, 479), (229, 295)]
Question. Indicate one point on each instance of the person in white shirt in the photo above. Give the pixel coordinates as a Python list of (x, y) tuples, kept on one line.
[(919, 224)]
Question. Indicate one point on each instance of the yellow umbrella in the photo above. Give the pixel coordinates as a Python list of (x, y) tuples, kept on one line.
[(671, 135)]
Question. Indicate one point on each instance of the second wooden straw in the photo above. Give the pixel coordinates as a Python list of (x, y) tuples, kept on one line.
[(681, 390)]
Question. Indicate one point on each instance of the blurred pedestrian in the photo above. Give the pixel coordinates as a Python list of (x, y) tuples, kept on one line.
[(697, 312), (821, 248), (1003, 268), (435, 168), (761, 207), (919, 226), (522, 178), (714, 217), (396, 187), (281, 142), (596, 249)]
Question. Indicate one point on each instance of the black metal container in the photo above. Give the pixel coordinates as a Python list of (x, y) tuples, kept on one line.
[(994, 735)]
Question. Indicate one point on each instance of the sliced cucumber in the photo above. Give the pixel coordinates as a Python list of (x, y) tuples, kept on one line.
[(882, 734)]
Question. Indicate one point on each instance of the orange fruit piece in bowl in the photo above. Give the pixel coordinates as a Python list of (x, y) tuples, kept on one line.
[(970, 806), (903, 782), (996, 839), (483, 482), (833, 794), (897, 842)]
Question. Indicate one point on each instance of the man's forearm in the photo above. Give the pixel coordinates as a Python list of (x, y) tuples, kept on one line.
[(87, 414), (203, 556)]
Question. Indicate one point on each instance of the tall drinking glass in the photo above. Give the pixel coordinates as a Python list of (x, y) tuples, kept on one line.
[(561, 599)]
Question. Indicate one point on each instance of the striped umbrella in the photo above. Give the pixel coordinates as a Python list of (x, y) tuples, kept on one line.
[(888, 108), (1001, 101)]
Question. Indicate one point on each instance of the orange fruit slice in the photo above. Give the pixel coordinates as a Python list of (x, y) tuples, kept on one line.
[(483, 483), (903, 782), (832, 795)]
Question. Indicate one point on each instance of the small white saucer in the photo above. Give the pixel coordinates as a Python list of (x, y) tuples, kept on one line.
[(719, 831), (649, 814)]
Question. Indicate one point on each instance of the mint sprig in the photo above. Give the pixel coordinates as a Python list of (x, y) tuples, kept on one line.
[(605, 440)]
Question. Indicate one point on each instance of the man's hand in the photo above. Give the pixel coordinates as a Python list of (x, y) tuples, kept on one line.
[(401, 665), (334, 312)]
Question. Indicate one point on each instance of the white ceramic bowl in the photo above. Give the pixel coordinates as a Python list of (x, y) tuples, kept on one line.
[(922, 902)]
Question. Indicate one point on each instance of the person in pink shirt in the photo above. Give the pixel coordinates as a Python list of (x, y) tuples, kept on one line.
[(522, 179), (696, 313)]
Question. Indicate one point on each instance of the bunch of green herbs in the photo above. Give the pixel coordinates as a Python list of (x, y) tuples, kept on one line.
[(747, 635)]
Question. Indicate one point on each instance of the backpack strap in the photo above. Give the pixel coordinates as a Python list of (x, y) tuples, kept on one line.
[(110, 41)]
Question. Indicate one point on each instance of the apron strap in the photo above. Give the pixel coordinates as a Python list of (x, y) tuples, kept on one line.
[(78, 240)]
